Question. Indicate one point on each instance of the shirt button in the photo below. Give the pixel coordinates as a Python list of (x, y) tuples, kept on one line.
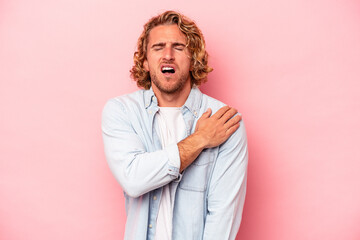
[(150, 225), (154, 197), (195, 113), (150, 112)]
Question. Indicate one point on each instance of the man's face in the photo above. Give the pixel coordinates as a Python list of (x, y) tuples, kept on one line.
[(168, 59)]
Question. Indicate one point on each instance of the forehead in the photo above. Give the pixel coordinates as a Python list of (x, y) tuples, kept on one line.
[(166, 33)]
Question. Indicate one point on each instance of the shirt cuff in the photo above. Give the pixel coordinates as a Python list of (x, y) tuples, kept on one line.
[(174, 159)]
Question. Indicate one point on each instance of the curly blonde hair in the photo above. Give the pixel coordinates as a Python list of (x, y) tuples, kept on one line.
[(195, 44)]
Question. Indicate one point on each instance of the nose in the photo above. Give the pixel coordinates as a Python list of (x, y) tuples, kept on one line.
[(168, 54)]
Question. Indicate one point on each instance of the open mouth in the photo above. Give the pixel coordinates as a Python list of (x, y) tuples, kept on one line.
[(167, 69)]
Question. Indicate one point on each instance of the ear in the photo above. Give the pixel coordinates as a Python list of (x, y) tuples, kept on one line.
[(146, 65)]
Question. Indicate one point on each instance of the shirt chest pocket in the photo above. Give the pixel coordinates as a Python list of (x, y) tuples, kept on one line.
[(195, 177)]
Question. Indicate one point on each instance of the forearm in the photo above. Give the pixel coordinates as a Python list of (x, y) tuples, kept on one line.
[(189, 149), (140, 172)]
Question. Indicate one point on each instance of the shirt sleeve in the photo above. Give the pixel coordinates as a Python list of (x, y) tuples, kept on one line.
[(227, 188), (137, 170)]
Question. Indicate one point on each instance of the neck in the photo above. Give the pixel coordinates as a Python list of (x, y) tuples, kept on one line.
[(176, 99)]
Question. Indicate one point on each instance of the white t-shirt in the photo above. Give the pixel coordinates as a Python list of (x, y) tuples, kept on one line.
[(172, 130)]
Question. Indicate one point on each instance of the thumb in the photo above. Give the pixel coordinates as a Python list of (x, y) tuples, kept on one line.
[(206, 114)]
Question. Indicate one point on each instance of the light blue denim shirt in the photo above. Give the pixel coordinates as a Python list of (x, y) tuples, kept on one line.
[(210, 193)]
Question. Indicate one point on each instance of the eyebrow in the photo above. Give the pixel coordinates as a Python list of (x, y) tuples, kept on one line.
[(162, 44)]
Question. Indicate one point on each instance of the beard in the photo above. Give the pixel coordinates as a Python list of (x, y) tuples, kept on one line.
[(169, 89)]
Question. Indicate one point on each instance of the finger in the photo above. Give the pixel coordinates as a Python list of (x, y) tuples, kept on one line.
[(221, 112), (232, 129), (228, 115), (207, 113), (232, 121)]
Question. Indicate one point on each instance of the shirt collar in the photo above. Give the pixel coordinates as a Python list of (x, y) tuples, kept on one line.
[(192, 103), (149, 97)]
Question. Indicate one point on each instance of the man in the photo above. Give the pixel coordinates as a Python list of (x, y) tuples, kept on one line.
[(183, 170)]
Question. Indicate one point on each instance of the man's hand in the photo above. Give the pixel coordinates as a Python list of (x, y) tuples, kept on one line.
[(209, 132), (218, 128)]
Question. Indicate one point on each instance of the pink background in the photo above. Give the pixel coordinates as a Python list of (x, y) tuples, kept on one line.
[(290, 67)]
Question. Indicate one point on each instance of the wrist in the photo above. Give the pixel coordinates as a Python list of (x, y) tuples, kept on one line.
[(199, 140)]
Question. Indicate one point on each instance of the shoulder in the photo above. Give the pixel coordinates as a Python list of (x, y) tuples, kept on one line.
[(134, 98), (210, 102), (125, 102), (214, 104)]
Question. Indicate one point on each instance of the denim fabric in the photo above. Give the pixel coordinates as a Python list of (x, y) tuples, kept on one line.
[(210, 193)]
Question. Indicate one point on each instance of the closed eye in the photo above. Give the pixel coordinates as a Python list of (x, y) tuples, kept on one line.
[(161, 46), (179, 46), (158, 46)]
